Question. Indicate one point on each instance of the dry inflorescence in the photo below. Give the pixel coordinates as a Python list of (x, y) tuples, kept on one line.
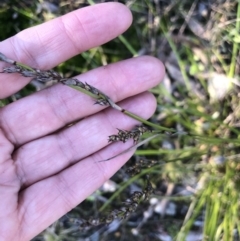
[(134, 134), (128, 207), (44, 76), (137, 168)]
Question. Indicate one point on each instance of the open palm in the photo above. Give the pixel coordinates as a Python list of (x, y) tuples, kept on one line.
[(47, 166)]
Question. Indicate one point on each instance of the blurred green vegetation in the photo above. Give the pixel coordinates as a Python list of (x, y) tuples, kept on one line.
[(198, 174)]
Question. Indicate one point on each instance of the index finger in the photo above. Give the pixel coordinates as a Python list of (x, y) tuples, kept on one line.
[(53, 42)]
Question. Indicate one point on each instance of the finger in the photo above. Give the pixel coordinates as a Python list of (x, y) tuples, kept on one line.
[(53, 42), (47, 200), (55, 107), (9, 188), (51, 154)]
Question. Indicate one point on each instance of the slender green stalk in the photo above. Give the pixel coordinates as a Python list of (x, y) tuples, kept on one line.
[(180, 62), (193, 211), (91, 2), (128, 45), (235, 46), (26, 13), (138, 118), (86, 92), (126, 112)]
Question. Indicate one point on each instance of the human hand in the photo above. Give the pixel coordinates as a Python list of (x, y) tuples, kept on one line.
[(46, 169)]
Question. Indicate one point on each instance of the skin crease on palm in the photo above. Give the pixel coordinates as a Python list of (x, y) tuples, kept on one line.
[(46, 170)]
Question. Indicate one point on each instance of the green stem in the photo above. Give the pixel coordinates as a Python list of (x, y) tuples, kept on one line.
[(128, 45), (86, 92), (25, 66), (140, 119), (126, 112), (235, 47)]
